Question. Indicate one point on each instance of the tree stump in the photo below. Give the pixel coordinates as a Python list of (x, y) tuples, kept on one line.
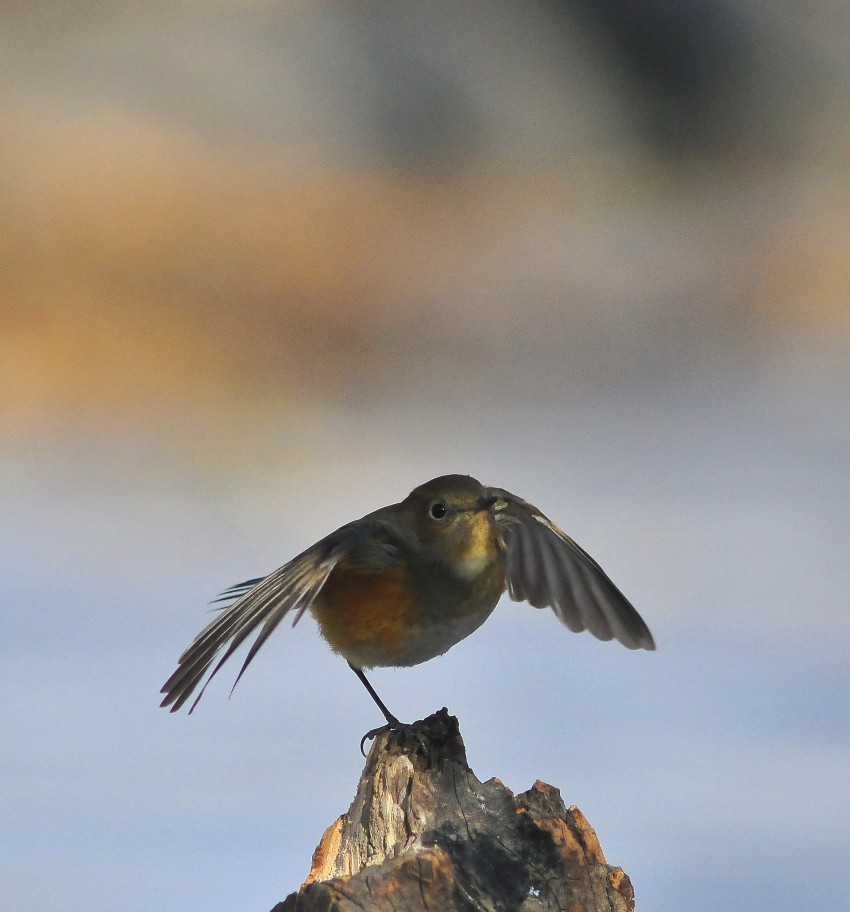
[(424, 834)]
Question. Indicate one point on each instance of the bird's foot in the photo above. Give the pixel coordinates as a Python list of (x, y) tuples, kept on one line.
[(409, 735)]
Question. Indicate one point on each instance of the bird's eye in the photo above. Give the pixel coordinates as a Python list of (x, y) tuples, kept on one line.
[(438, 510)]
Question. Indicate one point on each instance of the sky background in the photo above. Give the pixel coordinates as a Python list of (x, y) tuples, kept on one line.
[(265, 267)]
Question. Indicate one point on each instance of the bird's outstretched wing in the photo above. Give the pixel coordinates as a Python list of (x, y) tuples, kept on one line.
[(548, 569), (261, 605)]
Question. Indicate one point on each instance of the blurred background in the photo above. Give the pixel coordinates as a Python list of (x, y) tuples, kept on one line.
[(265, 267)]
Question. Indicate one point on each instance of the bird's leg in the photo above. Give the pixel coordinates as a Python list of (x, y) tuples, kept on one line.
[(392, 722), (393, 725)]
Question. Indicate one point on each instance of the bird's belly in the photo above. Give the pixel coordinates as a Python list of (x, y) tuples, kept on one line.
[(425, 642), (380, 620)]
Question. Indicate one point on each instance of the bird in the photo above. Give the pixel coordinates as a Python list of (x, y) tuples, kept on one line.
[(405, 583)]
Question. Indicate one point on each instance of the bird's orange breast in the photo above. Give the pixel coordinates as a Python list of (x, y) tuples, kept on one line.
[(361, 613)]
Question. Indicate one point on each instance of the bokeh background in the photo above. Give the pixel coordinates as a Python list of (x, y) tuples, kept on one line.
[(265, 267)]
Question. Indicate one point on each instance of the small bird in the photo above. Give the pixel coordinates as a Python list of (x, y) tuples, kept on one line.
[(402, 585)]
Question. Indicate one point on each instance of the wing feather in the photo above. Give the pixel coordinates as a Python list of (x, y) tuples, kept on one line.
[(567, 594), (261, 604), (546, 567)]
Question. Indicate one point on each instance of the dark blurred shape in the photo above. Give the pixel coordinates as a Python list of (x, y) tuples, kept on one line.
[(416, 109), (689, 61)]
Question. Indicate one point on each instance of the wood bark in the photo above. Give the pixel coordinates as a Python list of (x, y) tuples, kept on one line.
[(423, 833)]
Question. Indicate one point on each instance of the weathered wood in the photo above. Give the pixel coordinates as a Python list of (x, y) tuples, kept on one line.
[(424, 834)]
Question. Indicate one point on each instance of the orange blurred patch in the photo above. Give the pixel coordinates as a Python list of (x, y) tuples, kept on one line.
[(804, 285), (143, 271)]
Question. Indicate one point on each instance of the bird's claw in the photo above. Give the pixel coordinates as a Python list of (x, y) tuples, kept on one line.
[(404, 732), (372, 734)]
